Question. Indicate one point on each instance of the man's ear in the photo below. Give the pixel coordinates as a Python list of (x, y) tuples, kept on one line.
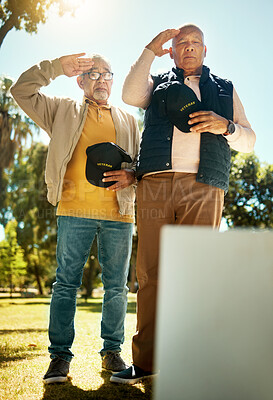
[(205, 51), (171, 52), (80, 81)]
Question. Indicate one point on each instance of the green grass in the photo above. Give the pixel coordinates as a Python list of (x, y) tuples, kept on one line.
[(24, 358)]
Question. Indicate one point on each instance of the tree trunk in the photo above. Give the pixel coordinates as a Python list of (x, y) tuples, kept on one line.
[(38, 279), (89, 278), (8, 25), (10, 286), (1, 189), (133, 282)]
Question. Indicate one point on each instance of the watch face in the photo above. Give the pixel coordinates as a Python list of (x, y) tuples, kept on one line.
[(231, 128)]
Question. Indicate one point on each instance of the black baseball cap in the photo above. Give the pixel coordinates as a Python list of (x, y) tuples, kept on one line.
[(102, 157), (179, 101)]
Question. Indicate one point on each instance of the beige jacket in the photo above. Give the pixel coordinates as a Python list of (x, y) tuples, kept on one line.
[(63, 119)]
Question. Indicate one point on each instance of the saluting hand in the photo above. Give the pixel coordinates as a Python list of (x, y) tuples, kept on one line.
[(156, 45), (74, 65), (208, 121)]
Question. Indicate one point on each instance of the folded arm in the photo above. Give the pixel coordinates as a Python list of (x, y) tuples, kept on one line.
[(243, 138)]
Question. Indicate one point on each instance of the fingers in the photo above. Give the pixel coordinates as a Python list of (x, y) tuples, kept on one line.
[(82, 64), (122, 177), (197, 119), (200, 113), (75, 64), (113, 174), (78, 54), (200, 128), (156, 44), (168, 34), (208, 122), (202, 116)]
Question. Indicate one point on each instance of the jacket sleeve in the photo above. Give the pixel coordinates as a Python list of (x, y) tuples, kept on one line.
[(26, 91), (138, 85)]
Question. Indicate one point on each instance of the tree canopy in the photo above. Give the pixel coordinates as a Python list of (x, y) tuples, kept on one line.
[(26, 14), (249, 201), (12, 263), (27, 202), (15, 129)]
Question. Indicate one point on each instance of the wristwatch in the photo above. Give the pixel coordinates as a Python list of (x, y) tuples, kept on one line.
[(230, 128)]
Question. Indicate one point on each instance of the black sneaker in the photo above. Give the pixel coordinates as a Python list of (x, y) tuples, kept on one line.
[(111, 361), (57, 371), (131, 375)]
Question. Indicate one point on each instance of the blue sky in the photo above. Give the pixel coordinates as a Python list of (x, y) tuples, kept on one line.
[(238, 35)]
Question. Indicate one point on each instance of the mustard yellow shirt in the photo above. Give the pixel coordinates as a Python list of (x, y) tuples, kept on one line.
[(79, 197)]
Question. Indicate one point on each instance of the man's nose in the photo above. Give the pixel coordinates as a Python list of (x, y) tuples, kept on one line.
[(101, 79), (189, 47)]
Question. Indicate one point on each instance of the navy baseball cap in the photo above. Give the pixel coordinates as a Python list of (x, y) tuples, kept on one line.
[(179, 101), (102, 157)]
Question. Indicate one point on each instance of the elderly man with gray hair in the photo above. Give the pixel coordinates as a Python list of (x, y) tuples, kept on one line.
[(192, 120), (90, 172)]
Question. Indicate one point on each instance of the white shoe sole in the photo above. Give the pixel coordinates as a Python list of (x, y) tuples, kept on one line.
[(55, 379), (112, 371), (132, 381)]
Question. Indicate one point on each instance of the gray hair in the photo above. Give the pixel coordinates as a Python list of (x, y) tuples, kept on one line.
[(193, 26), (95, 56)]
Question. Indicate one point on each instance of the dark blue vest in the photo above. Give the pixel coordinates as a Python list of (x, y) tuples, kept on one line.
[(156, 143)]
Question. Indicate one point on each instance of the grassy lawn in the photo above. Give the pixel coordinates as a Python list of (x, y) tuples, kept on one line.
[(24, 358)]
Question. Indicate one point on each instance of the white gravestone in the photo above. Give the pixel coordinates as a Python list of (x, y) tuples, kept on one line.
[(215, 315)]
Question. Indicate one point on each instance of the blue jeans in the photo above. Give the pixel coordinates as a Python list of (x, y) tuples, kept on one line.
[(75, 237)]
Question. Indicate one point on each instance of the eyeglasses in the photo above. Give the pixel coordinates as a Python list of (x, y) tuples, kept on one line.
[(94, 76)]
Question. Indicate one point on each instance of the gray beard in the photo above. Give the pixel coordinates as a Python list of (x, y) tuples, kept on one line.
[(100, 95)]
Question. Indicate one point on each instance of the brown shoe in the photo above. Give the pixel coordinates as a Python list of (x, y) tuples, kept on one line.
[(111, 361)]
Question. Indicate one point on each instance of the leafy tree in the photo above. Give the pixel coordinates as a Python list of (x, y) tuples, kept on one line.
[(12, 264), (27, 199), (140, 119), (249, 202), (18, 14), (14, 132), (26, 14)]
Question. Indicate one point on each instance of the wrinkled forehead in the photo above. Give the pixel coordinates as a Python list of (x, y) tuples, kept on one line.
[(100, 65), (187, 31)]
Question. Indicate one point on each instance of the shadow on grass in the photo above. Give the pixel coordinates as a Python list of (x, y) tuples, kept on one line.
[(107, 391), (18, 353), (96, 307), (12, 331), (11, 353), (92, 305), (32, 303)]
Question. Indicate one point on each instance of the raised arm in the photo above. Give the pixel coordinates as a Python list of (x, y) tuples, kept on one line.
[(26, 91), (138, 85)]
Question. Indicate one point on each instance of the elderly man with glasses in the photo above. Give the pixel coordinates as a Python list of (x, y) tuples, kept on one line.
[(84, 210)]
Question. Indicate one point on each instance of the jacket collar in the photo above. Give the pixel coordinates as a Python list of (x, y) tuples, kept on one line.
[(204, 77)]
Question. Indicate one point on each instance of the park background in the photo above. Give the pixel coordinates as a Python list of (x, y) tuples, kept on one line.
[(238, 35)]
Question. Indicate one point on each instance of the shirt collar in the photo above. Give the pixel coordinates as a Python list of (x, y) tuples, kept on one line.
[(94, 104)]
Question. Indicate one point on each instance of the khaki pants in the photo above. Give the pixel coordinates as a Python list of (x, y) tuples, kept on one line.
[(165, 198)]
